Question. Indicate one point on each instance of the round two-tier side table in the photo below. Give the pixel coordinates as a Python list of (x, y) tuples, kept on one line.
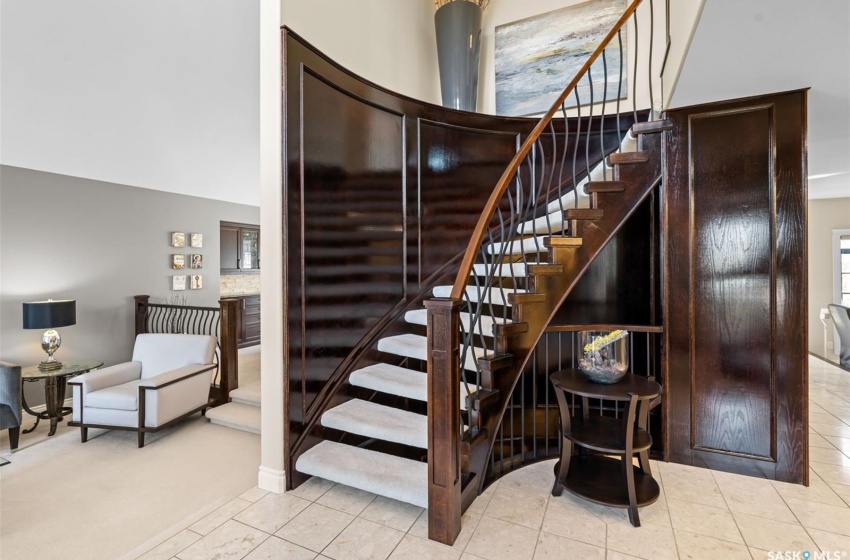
[(597, 475)]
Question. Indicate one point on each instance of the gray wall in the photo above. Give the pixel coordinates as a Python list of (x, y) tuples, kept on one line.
[(101, 244)]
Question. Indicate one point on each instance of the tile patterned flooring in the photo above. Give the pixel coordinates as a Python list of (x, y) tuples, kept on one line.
[(701, 513)]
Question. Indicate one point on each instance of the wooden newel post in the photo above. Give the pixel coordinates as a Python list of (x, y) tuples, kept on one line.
[(141, 314), (228, 339), (444, 475)]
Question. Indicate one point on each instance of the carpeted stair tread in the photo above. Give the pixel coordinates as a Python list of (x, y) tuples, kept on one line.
[(545, 225), (386, 475), (247, 394), (399, 381), (509, 270), (495, 295), (416, 347), (378, 421), (483, 327), (602, 172), (238, 416), (529, 245)]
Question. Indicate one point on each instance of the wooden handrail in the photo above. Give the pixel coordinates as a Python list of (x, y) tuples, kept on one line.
[(482, 226)]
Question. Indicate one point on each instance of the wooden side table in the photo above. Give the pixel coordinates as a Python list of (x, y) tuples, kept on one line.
[(600, 478)]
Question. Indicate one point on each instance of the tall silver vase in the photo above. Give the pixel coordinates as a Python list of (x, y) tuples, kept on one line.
[(458, 26)]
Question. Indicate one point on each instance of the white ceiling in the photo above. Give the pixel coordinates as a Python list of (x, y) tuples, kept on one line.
[(160, 94), (751, 47)]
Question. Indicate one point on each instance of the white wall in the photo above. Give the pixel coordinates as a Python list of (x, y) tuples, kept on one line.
[(271, 471), (389, 42), (151, 93)]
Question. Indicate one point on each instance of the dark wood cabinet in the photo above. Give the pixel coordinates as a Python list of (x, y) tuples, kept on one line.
[(249, 326), (240, 248)]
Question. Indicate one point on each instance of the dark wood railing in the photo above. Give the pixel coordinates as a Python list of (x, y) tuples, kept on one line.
[(220, 322)]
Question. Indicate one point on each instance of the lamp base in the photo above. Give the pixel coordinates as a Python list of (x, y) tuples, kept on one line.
[(49, 366), (50, 343)]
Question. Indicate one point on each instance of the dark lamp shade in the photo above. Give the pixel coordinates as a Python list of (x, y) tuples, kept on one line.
[(50, 314)]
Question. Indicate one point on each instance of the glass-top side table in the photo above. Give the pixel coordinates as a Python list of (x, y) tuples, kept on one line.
[(54, 390)]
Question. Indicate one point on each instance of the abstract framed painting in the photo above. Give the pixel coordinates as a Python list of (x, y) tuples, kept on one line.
[(537, 57)]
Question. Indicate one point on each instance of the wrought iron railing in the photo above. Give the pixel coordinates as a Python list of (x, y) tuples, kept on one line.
[(534, 195)]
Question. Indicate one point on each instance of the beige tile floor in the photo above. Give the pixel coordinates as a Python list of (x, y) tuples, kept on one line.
[(701, 513)]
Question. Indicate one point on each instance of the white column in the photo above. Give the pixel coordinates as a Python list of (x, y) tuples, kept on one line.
[(271, 475)]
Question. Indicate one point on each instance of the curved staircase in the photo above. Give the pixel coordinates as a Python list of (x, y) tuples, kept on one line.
[(381, 423), (550, 264)]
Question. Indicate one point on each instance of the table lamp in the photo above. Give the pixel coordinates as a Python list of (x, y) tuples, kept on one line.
[(50, 315)]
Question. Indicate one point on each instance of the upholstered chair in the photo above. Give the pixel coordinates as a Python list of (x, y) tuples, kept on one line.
[(167, 380), (10, 401), (841, 319)]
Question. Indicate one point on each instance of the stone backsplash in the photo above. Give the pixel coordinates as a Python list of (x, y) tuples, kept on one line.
[(239, 284)]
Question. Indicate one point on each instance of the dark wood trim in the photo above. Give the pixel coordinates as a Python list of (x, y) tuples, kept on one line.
[(444, 480), (228, 340), (141, 313)]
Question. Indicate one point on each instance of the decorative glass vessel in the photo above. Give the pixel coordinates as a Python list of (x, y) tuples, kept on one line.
[(604, 355)]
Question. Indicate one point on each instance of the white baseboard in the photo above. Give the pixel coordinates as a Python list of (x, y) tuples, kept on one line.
[(271, 480)]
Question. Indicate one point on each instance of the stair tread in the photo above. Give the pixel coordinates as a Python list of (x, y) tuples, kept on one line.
[(533, 244), (605, 186), (374, 420), (416, 347), (508, 270), (494, 295), (396, 380), (569, 201), (386, 475), (238, 416), (651, 127), (249, 394), (628, 157), (484, 326)]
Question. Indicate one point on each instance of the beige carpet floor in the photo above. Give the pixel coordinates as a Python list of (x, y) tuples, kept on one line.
[(106, 498)]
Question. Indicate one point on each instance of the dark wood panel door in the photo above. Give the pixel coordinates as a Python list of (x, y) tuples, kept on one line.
[(735, 278)]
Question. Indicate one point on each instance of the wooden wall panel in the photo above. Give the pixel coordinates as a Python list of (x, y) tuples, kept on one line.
[(732, 265), (352, 229), (735, 286)]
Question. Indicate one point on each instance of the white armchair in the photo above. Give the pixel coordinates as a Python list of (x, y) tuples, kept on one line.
[(167, 380)]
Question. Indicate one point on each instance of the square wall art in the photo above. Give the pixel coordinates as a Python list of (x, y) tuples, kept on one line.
[(537, 57)]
